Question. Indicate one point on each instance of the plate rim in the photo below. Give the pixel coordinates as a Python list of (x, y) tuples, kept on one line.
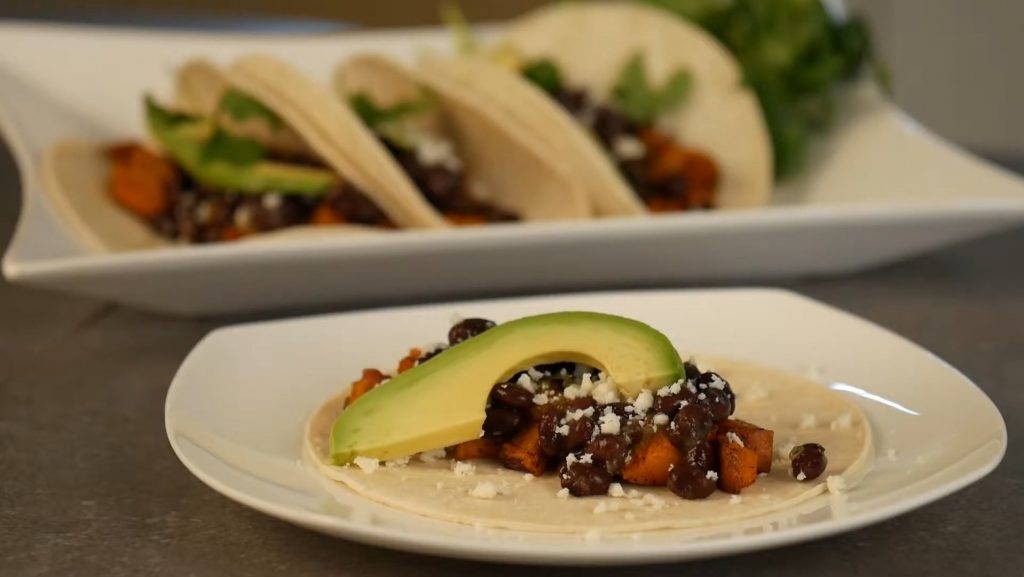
[(518, 553)]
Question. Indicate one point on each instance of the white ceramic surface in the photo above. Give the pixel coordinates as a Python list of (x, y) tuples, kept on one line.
[(237, 406), (880, 188)]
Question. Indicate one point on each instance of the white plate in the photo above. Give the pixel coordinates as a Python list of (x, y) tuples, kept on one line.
[(880, 189), (236, 409)]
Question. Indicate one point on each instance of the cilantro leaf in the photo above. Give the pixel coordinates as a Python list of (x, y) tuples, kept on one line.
[(545, 74), (639, 100), (375, 116), (224, 147), (164, 117), (241, 107)]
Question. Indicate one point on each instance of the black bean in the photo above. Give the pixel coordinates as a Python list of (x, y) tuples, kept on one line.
[(632, 430), (609, 124), (584, 479), (691, 371), (468, 328), (690, 426), (429, 355), (610, 451), (580, 432), (690, 482), (512, 395), (550, 441), (718, 404), (355, 206), (579, 403), (808, 461), (440, 184), (501, 421), (574, 101), (669, 404), (703, 456)]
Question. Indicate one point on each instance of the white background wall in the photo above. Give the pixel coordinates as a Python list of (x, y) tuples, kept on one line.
[(958, 67)]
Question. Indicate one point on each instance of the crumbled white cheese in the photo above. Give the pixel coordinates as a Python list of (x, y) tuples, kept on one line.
[(842, 423), (540, 399), (643, 402), (528, 477), (628, 147), (735, 500), (605, 391), (653, 502), (587, 458), (367, 464), (808, 421), (484, 490), (571, 459), (702, 397), (734, 439), (527, 383), (891, 454), (431, 456), (272, 201), (571, 392), (713, 475), (660, 419), (672, 389), (633, 494), (463, 469), (690, 387), (534, 374), (611, 424), (717, 383), (835, 484), (579, 414), (586, 385), (801, 476), (433, 150), (562, 494), (400, 462), (615, 490), (562, 430)]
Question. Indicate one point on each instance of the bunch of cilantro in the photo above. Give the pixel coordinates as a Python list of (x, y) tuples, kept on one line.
[(794, 56)]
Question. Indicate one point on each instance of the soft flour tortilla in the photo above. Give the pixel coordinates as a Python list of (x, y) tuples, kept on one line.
[(590, 42), (765, 396), (504, 164)]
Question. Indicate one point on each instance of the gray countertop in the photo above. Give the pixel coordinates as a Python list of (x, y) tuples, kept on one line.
[(89, 485)]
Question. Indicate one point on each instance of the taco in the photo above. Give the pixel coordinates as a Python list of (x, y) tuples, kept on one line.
[(231, 160), (651, 111), (581, 422), (447, 144)]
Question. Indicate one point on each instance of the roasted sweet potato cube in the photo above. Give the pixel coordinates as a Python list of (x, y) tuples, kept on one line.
[(482, 448), (650, 461), (370, 379), (409, 361), (737, 467), (523, 453), (761, 441)]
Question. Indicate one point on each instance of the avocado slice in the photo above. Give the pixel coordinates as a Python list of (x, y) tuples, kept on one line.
[(442, 402), (184, 138)]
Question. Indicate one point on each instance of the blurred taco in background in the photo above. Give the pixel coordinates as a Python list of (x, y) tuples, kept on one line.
[(650, 110), (232, 159), (434, 139)]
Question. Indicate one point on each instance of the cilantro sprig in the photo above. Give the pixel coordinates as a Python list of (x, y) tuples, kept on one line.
[(642, 102), (545, 74)]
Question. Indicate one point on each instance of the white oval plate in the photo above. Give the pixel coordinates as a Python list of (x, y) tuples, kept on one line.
[(237, 406), (880, 188)]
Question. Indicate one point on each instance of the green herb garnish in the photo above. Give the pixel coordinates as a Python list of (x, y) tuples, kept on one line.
[(232, 149), (794, 55), (376, 116), (455, 21), (545, 74), (165, 118), (242, 107), (639, 100)]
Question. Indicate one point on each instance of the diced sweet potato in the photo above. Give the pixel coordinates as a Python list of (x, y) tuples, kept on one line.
[(464, 219), (370, 379), (140, 180), (737, 467), (701, 171), (324, 214), (523, 453), (482, 448), (759, 440), (651, 460), (409, 361)]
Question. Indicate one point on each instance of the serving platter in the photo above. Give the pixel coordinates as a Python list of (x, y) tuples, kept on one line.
[(878, 188), (236, 409)]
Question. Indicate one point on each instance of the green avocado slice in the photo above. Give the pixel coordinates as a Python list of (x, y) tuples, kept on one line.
[(442, 402), (185, 138)]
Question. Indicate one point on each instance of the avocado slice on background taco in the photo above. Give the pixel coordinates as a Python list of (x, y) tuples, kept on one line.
[(649, 110)]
